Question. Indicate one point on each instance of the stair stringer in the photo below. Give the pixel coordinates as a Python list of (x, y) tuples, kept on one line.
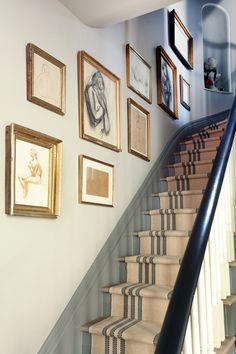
[(88, 302)]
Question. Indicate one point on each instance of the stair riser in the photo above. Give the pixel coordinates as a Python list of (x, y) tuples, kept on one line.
[(230, 320), (182, 222), (177, 202), (159, 274), (171, 246), (192, 169), (137, 307), (197, 156), (233, 279), (187, 184), (200, 144)]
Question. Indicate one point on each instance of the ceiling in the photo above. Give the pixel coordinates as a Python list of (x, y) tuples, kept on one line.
[(102, 13)]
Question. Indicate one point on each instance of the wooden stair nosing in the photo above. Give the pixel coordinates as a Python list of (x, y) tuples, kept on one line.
[(232, 264), (195, 151), (187, 142), (171, 211), (191, 163), (163, 233), (230, 300), (183, 177), (226, 346), (179, 193), (85, 327)]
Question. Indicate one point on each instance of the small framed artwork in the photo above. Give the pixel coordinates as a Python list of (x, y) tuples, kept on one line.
[(99, 103), (166, 83), (181, 40), (96, 182), (33, 173), (138, 74), (138, 130), (184, 93), (46, 79)]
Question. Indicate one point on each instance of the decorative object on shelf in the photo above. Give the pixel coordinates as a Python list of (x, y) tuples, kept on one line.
[(46, 80), (184, 93), (166, 83), (211, 76), (99, 103), (33, 173), (96, 182), (138, 74), (138, 130), (181, 40)]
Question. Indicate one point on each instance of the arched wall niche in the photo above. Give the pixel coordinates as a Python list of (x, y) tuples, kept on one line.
[(216, 48)]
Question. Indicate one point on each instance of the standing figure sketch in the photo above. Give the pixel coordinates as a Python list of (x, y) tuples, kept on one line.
[(96, 103), (166, 84), (35, 173)]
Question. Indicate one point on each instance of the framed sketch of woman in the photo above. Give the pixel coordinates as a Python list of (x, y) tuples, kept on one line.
[(99, 103)]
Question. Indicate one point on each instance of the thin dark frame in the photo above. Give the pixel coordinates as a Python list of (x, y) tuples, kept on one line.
[(174, 18), (181, 83)]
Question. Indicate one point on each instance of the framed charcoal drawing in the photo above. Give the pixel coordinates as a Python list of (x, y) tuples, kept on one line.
[(46, 79), (181, 40), (166, 83), (96, 182), (138, 130), (99, 103), (184, 93), (33, 173), (138, 74)]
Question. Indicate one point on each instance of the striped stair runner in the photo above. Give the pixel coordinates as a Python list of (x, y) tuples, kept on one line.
[(138, 306)]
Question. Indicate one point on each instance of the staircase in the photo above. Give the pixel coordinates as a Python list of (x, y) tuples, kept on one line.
[(138, 306)]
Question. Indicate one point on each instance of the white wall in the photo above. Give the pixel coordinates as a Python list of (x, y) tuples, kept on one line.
[(43, 261)]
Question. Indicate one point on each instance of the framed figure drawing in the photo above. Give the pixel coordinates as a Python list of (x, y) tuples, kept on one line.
[(96, 182), (138, 74), (33, 173), (138, 130), (181, 40), (99, 103), (184, 93), (46, 79), (166, 83)]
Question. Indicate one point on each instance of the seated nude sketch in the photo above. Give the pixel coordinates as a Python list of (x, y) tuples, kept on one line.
[(96, 103), (35, 173), (166, 84)]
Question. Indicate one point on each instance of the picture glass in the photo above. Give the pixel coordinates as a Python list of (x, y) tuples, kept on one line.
[(181, 40), (47, 81), (167, 84), (186, 93), (100, 111), (32, 164), (139, 75), (139, 131)]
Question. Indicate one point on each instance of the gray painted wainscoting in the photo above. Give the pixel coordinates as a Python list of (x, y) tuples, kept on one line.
[(88, 302)]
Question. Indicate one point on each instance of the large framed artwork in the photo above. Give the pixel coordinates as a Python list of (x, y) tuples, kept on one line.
[(138, 74), (33, 173), (138, 130), (166, 83), (96, 185), (181, 40), (184, 93), (46, 79), (99, 103)]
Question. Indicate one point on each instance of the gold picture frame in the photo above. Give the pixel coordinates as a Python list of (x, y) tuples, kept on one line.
[(138, 74), (167, 95), (96, 182), (185, 98), (33, 173), (46, 80), (99, 103), (138, 130), (181, 40)]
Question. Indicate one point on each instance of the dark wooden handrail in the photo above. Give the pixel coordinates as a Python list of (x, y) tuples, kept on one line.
[(172, 334)]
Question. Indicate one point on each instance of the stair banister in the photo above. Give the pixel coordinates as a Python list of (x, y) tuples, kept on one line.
[(172, 334)]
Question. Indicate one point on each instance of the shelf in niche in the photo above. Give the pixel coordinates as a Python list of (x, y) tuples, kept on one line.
[(221, 92)]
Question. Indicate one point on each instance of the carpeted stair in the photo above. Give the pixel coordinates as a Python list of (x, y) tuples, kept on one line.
[(138, 306)]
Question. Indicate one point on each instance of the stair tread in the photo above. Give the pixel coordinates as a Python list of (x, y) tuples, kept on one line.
[(128, 329), (226, 346), (171, 211), (181, 177), (140, 289), (164, 233), (232, 264), (191, 163), (195, 150), (153, 259), (230, 300), (198, 139), (178, 193)]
